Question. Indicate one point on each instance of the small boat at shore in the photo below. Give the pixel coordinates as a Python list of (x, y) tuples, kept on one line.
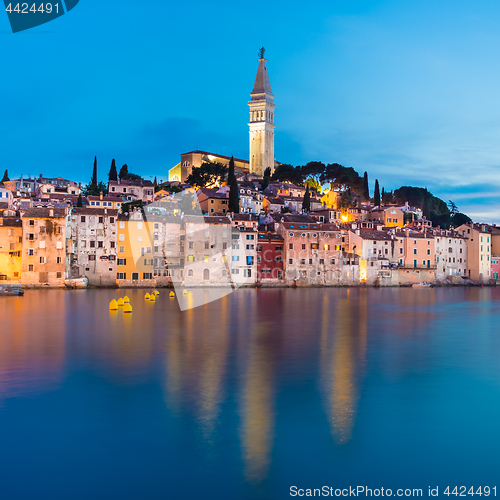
[(12, 291), (422, 285)]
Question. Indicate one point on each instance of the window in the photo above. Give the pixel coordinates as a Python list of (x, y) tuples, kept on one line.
[(61, 230), (91, 257), (249, 260), (147, 276), (207, 245), (92, 244), (250, 247), (41, 244), (190, 258), (236, 258), (31, 222), (302, 261), (321, 261), (58, 260), (290, 246), (30, 267), (250, 236), (414, 251), (135, 276), (112, 244), (206, 258), (290, 261), (400, 250), (122, 262), (59, 245), (100, 244), (42, 260), (121, 237), (139, 238), (247, 273), (122, 224), (310, 261), (314, 246), (326, 247), (303, 246), (59, 276), (190, 272)]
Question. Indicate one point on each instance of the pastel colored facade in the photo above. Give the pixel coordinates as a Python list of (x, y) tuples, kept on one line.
[(46, 189), (284, 189), (11, 243), (314, 256), (207, 251), (251, 200), (478, 251), (131, 190), (93, 245), (44, 246), (495, 267), (330, 199), (108, 202), (168, 248), (244, 255), (416, 250), (213, 202), (451, 254), (6, 198), (261, 122), (393, 217), (270, 257), (135, 250)]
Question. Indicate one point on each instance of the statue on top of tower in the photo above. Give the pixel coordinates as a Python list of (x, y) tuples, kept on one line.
[(262, 51)]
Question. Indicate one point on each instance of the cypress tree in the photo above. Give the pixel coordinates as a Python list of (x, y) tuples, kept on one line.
[(93, 182), (366, 188), (79, 203), (306, 203), (113, 175), (382, 196), (234, 200), (5, 176), (376, 194), (267, 178), (123, 171), (155, 184)]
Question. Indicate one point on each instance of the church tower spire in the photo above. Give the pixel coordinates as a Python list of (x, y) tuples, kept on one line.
[(261, 121)]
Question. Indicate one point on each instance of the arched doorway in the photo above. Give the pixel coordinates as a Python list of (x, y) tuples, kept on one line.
[(206, 274)]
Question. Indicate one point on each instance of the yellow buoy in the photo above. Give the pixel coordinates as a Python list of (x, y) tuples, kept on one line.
[(152, 298), (157, 293), (127, 308), (171, 295), (126, 300), (184, 292), (146, 297), (113, 305), (120, 302)]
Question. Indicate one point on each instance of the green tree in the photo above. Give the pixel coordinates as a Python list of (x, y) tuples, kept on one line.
[(312, 172), (288, 173), (207, 175), (5, 177), (306, 203), (366, 187), (345, 200), (93, 181), (267, 178), (234, 198), (342, 178), (123, 171), (79, 203), (376, 194), (113, 175), (452, 208)]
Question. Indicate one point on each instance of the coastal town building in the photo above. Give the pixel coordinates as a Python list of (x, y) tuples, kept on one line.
[(270, 258), (135, 250), (6, 198), (44, 246), (132, 190), (92, 246), (451, 254), (11, 243), (478, 239), (213, 201), (207, 251)]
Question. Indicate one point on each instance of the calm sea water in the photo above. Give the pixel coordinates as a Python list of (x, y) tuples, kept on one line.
[(250, 395)]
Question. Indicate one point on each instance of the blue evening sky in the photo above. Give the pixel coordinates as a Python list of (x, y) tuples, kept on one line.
[(407, 90)]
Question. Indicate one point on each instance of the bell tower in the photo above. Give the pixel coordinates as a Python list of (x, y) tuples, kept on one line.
[(261, 121)]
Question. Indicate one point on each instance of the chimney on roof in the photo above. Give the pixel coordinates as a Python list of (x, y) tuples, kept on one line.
[(79, 185), (100, 195), (51, 211)]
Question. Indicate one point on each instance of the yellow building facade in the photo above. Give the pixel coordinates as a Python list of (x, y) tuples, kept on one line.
[(11, 244)]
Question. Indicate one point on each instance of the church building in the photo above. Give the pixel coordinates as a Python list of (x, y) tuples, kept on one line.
[(261, 135)]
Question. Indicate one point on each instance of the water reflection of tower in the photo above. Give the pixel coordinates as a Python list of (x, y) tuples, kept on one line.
[(342, 355)]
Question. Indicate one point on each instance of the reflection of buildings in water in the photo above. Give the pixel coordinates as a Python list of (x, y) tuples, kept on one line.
[(342, 355), (196, 352), (257, 408), (32, 343)]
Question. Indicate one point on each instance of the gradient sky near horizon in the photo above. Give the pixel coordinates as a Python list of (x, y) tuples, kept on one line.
[(408, 91)]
